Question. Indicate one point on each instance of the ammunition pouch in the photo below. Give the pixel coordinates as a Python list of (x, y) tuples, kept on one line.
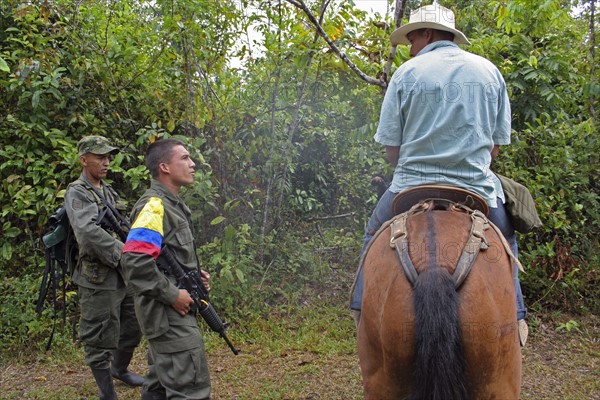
[(94, 272)]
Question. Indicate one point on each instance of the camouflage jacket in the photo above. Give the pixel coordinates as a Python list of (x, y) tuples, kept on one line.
[(99, 250), (160, 218)]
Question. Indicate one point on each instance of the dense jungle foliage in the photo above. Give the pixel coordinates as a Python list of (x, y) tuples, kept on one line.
[(280, 122)]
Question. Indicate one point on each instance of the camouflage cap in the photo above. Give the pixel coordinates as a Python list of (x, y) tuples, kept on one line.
[(95, 145)]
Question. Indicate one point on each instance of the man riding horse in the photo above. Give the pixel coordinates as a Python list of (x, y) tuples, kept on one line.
[(444, 117)]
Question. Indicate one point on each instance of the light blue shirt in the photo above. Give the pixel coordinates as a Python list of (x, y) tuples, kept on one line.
[(446, 108)]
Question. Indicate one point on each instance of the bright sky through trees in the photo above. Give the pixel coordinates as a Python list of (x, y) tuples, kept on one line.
[(379, 6), (370, 6)]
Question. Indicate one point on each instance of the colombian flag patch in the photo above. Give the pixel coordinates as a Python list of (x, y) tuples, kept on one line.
[(146, 233)]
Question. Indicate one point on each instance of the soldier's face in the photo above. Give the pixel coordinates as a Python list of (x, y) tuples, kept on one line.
[(95, 166), (181, 168)]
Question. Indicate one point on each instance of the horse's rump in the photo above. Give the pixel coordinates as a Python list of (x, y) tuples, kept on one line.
[(485, 306)]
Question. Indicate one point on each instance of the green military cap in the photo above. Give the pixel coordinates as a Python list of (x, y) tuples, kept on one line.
[(95, 145)]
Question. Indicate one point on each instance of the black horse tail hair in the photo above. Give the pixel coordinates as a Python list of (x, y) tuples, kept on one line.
[(440, 361)]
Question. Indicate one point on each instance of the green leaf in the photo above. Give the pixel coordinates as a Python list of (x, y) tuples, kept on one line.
[(240, 275), (35, 99), (217, 220), (3, 65), (6, 251), (12, 232), (171, 125)]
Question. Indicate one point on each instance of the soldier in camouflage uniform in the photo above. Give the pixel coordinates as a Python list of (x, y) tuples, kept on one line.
[(108, 327), (179, 368)]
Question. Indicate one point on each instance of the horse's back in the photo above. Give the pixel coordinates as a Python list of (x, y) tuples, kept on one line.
[(486, 310)]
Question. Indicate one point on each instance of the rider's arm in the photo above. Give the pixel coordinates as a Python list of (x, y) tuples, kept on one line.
[(495, 151), (392, 154)]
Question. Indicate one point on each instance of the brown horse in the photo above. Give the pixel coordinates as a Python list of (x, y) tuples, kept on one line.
[(432, 341)]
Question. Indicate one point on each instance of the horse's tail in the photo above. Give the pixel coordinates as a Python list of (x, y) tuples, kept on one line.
[(440, 361)]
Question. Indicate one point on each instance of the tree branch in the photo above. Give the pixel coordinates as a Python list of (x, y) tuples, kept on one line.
[(327, 217), (369, 79), (398, 14)]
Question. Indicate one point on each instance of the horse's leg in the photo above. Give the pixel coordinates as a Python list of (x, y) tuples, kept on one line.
[(490, 334), (385, 366), (386, 330)]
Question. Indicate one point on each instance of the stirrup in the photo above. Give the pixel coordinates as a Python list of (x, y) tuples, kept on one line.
[(356, 317), (523, 331)]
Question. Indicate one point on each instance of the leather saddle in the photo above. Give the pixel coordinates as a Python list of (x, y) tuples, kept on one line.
[(408, 198)]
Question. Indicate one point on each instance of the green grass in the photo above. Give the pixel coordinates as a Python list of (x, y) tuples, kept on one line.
[(305, 352), (286, 353)]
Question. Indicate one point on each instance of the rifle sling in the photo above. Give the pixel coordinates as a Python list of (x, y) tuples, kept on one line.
[(109, 205)]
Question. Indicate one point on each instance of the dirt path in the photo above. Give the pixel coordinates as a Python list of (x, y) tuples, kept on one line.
[(563, 364), (557, 364)]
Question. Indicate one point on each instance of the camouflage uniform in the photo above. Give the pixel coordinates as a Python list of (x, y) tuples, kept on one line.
[(180, 369), (108, 325)]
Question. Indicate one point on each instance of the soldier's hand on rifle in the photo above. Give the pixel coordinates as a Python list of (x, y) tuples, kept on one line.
[(205, 279), (183, 303)]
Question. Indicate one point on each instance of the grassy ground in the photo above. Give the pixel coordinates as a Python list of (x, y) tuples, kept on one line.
[(304, 348), (309, 353)]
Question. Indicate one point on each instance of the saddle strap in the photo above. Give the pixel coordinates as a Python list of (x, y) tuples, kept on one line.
[(476, 243), (511, 255), (399, 241)]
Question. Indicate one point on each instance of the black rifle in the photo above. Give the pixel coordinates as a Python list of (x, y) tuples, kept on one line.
[(189, 280)]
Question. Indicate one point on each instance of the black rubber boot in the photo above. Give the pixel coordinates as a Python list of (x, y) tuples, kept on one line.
[(118, 369), (105, 384)]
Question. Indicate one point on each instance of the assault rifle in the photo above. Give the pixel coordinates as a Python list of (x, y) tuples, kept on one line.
[(189, 280)]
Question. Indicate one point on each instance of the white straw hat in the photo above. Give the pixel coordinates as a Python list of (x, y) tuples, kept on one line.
[(433, 16)]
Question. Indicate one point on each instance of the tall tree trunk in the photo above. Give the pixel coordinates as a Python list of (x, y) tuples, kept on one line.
[(270, 164)]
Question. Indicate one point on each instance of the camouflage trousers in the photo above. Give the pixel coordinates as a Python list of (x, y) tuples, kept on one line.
[(107, 323), (177, 365)]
